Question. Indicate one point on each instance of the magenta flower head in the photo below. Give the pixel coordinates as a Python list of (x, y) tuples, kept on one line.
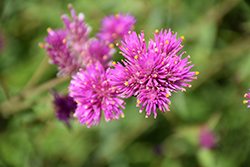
[(116, 26), (64, 107), (152, 73), (247, 95), (206, 137), (92, 90), (59, 52)]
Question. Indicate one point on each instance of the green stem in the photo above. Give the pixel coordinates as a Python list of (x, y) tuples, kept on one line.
[(18, 103), (37, 74)]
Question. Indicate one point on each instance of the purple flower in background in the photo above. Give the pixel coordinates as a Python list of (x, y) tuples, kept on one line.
[(206, 137), (64, 106), (247, 101), (96, 50), (71, 49), (116, 26), (59, 52), (152, 73), (77, 30), (92, 91)]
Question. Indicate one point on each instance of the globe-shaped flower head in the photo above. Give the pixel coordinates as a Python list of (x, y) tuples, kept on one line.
[(92, 90), (152, 73), (116, 26)]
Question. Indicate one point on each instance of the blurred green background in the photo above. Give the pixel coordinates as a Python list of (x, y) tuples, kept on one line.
[(217, 37)]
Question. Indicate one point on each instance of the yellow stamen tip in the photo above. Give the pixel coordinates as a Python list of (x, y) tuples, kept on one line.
[(196, 72), (126, 69), (122, 115), (129, 32), (167, 42), (77, 101), (41, 45), (111, 46), (113, 87), (156, 50), (136, 57), (87, 123), (114, 63), (244, 101), (105, 57), (138, 101), (64, 41), (167, 95), (182, 37), (126, 83), (49, 29), (117, 16), (156, 31)]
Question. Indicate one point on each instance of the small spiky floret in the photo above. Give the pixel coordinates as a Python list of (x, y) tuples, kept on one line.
[(116, 26), (59, 52), (92, 90), (152, 73), (247, 95), (64, 107)]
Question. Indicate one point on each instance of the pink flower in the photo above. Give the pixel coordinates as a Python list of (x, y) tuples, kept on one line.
[(116, 26), (59, 52), (71, 49), (92, 91), (206, 137), (152, 73)]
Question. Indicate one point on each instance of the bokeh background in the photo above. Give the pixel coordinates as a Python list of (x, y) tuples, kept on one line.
[(217, 37)]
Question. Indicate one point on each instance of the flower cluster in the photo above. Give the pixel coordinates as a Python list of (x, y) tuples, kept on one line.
[(70, 48), (152, 73)]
